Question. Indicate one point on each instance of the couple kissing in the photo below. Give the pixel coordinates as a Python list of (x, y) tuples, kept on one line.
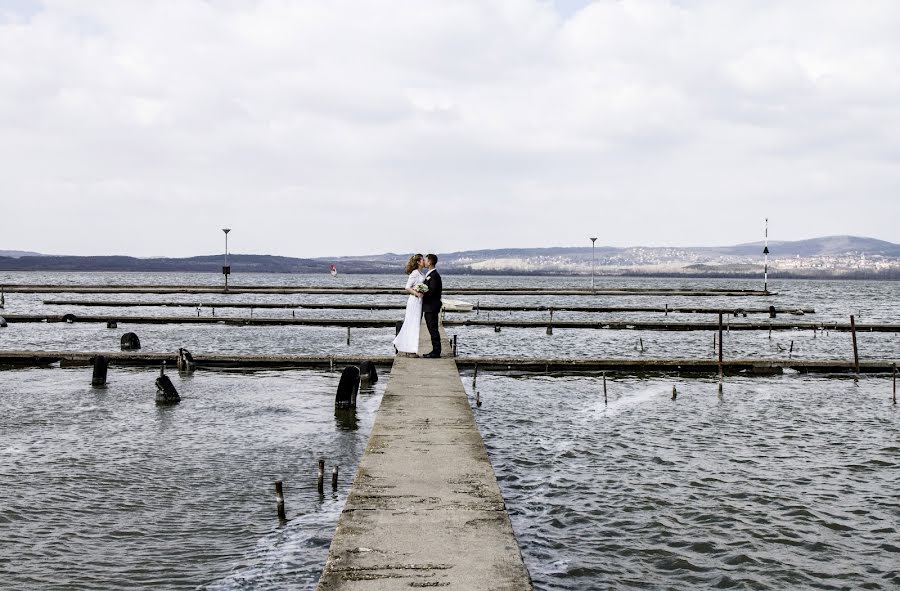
[(424, 287)]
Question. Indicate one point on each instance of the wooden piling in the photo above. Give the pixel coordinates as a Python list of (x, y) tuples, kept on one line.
[(101, 364), (348, 335), (642, 344), (674, 392), (334, 478), (855, 350), (475, 376), (894, 374), (320, 481), (791, 350), (605, 402), (720, 341), (279, 500)]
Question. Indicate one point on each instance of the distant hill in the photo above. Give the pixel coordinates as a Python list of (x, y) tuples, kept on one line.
[(18, 253), (830, 256)]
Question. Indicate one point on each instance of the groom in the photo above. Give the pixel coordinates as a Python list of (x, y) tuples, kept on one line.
[(431, 305)]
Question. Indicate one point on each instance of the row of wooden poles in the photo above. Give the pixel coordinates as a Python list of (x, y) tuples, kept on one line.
[(721, 372), (320, 486)]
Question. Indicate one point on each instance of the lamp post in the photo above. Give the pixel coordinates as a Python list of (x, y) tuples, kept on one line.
[(593, 243), (226, 270), (766, 265)]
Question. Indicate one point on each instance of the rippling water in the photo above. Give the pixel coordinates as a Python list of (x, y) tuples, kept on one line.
[(783, 483), (103, 490)]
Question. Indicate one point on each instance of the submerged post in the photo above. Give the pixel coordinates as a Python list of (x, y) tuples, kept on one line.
[(334, 478), (100, 366), (320, 481), (855, 350), (348, 335), (279, 500), (894, 373)]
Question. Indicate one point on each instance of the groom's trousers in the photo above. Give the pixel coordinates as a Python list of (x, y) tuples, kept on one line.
[(431, 321)]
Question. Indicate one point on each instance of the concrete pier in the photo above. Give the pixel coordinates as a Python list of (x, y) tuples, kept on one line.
[(425, 509)]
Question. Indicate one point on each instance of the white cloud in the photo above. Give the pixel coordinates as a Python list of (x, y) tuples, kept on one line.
[(344, 127)]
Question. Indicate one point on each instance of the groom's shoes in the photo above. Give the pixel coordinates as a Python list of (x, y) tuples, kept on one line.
[(431, 355)]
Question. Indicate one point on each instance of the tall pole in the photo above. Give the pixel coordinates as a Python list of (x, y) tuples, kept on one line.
[(593, 243), (766, 253), (226, 270)]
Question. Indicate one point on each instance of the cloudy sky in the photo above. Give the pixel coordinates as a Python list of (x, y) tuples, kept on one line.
[(351, 127)]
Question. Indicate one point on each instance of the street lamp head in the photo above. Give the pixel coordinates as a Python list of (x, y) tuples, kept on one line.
[(593, 240), (226, 230)]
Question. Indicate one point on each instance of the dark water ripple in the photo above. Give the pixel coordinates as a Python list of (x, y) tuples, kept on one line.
[(784, 483), (103, 490)]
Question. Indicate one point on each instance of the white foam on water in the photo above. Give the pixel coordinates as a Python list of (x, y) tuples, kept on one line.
[(631, 400)]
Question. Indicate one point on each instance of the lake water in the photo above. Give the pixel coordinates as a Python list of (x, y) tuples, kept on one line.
[(783, 482)]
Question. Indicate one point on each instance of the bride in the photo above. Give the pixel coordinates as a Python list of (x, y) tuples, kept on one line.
[(407, 341)]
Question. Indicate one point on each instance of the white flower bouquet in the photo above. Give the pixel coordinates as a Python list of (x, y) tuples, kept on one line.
[(421, 288)]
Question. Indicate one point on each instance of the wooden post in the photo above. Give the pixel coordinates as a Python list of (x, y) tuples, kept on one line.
[(855, 350), (674, 392), (475, 376), (605, 403), (348, 335), (320, 481), (642, 344), (478, 399), (101, 364), (667, 309), (791, 350), (894, 373), (720, 342), (334, 478), (279, 499)]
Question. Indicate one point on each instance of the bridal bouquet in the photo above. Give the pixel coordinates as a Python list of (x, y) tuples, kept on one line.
[(421, 288)]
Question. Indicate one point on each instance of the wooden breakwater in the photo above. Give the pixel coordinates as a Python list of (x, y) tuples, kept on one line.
[(364, 290), (222, 304), (748, 366), (647, 325)]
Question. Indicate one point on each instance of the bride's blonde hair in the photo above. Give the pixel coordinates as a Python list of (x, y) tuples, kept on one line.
[(413, 263)]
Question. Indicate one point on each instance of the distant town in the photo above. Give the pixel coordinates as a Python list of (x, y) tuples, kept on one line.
[(828, 257)]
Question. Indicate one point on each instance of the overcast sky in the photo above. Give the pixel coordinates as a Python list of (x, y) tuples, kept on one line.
[(351, 127)]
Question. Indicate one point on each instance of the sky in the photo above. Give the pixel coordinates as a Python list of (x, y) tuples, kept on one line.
[(310, 128)]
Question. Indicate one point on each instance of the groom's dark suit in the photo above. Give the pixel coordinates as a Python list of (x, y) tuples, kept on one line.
[(431, 307)]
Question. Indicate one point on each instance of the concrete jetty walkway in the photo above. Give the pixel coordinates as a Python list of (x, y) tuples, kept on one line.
[(425, 509)]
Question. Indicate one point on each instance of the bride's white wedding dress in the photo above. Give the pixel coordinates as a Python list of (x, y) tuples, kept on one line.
[(407, 341)]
